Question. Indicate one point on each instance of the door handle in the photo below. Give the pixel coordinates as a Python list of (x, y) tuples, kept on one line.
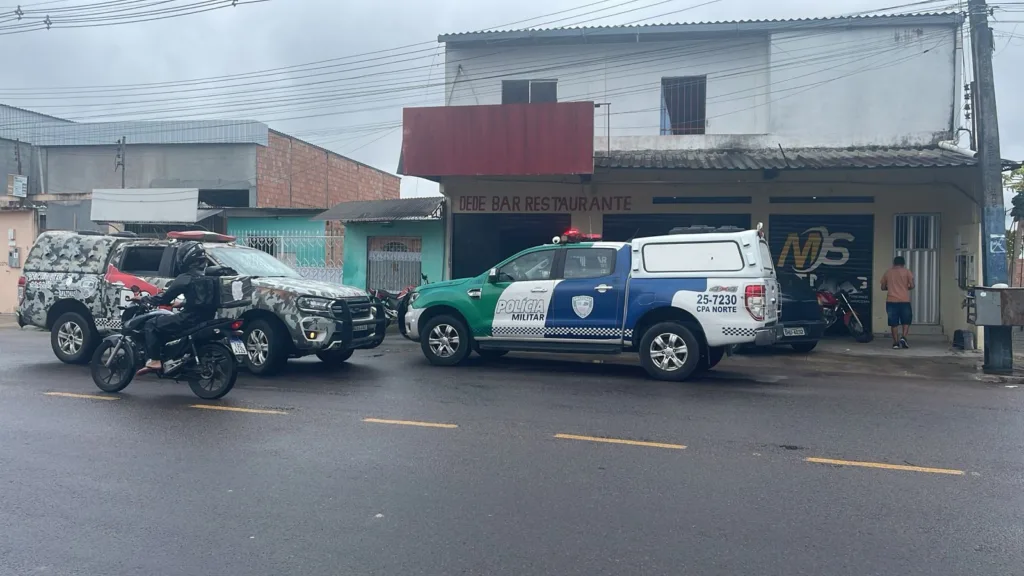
[(538, 290), (473, 292), (602, 288)]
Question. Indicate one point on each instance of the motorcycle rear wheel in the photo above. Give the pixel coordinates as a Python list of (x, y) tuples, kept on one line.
[(216, 374), (121, 371)]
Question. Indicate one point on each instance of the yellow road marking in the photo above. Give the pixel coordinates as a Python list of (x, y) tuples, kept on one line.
[(233, 409), (621, 441), (885, 466), (87, 396), (410, 423)]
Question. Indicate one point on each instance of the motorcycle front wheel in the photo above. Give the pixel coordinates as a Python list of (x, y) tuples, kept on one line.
[(859, 333), (119, 374), (216, 373)]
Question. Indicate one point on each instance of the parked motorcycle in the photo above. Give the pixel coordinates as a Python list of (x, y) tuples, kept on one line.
[(390, 301), (206, 356), (836, 306)]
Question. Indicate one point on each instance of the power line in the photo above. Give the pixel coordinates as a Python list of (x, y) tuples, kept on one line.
[(372, 90), (48, 23), (277, 70), (732, 99), (631, 62)]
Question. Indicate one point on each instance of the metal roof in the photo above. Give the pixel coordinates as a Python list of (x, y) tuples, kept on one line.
[(428, 208), (54, 133), (636, 32), (779, 159)]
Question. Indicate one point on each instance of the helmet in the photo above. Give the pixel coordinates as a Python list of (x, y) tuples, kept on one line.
[(191, 255)]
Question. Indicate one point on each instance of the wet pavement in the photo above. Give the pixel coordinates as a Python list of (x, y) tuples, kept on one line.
[(770, 465)]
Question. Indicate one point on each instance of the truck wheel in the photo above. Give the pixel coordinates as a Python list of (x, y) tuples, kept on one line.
[(713, 356), (265, 347), (669, 351), (335, 356), (804, 347), (445, 341), (73, 338), (491, 354)]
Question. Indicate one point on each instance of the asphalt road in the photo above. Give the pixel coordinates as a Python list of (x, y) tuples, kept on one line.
[(494, 468)]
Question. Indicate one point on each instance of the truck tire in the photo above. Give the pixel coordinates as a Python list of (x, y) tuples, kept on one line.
[(445, 341), (669, 351), (491, 354), (73, 338), (335, 356), (804, 347), (266, 347)]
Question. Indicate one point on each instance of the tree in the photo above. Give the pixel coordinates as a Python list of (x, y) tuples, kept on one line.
[(1014, 181)]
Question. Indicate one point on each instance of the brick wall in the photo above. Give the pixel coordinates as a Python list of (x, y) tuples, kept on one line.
[(291, 173)]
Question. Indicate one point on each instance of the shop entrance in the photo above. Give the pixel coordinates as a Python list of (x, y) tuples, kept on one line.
[(479, 241), (624, 227)]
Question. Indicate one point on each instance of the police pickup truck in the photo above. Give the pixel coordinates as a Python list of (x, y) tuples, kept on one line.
[(679, 300)]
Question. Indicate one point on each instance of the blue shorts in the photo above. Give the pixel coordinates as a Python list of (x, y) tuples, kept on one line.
[(900, 313)]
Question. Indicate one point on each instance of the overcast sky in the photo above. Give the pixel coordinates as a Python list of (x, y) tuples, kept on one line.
[(283, 33)]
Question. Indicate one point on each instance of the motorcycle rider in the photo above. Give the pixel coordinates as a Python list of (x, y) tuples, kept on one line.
[(201, 296)]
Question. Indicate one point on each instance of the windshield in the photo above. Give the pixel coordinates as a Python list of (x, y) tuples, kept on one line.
[(250, 262)]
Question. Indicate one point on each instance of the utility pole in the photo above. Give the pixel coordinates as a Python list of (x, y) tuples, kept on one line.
[(998, 339), (119, 159)]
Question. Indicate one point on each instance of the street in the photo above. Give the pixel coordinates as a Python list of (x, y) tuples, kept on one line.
[(390, 466)]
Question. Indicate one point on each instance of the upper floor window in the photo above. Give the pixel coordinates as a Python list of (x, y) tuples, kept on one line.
[(528, 91), (684, 105)]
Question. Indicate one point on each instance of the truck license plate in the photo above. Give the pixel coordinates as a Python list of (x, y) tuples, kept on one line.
[(360, 328), (237, 347), (793, 332)]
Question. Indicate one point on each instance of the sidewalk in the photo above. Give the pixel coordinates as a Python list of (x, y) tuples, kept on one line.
[(930, 358), (8, 321)]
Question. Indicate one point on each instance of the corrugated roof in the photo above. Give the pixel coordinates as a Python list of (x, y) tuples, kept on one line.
[(428, 208), (42, 132), (791, 159), (718, 26)]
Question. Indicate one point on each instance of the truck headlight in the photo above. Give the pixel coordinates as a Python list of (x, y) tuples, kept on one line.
[(313, 304), (413, 297)]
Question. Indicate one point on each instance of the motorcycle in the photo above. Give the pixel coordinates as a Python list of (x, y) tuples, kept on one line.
[(391, 301), (836, 306), (206, 356), (388, 301)]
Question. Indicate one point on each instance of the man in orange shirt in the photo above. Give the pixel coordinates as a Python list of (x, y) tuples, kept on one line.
[(898, 282)]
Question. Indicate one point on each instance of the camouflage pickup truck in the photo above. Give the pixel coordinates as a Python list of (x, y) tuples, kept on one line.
[(73, 283)]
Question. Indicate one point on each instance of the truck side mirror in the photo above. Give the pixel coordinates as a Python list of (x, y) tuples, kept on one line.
[(492, 275)]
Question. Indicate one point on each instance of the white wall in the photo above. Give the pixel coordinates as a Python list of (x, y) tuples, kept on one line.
[(881, 86)]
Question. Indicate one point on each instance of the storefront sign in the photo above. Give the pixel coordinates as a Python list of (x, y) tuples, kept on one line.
[(555, 204), (828, 252)]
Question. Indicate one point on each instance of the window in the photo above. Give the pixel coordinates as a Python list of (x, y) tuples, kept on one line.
[(529, 91), (142, 260), (693, 257), (684, 105), (532, 266), (766, 258), (251, 262), (589, 263)]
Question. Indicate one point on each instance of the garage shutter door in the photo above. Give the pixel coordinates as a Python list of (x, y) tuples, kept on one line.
[(828, 252)]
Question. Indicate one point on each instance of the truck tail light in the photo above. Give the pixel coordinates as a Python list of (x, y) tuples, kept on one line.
[(753, 299), (237, 325), (22, 285)]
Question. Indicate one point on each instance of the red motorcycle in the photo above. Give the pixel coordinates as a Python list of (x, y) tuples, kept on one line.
[(390, 301), (836, 306)]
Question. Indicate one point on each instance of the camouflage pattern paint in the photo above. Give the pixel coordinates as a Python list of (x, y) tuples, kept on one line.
[(69, 266)]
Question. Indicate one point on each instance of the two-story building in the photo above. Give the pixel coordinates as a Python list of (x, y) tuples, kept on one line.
[(839, 135)]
